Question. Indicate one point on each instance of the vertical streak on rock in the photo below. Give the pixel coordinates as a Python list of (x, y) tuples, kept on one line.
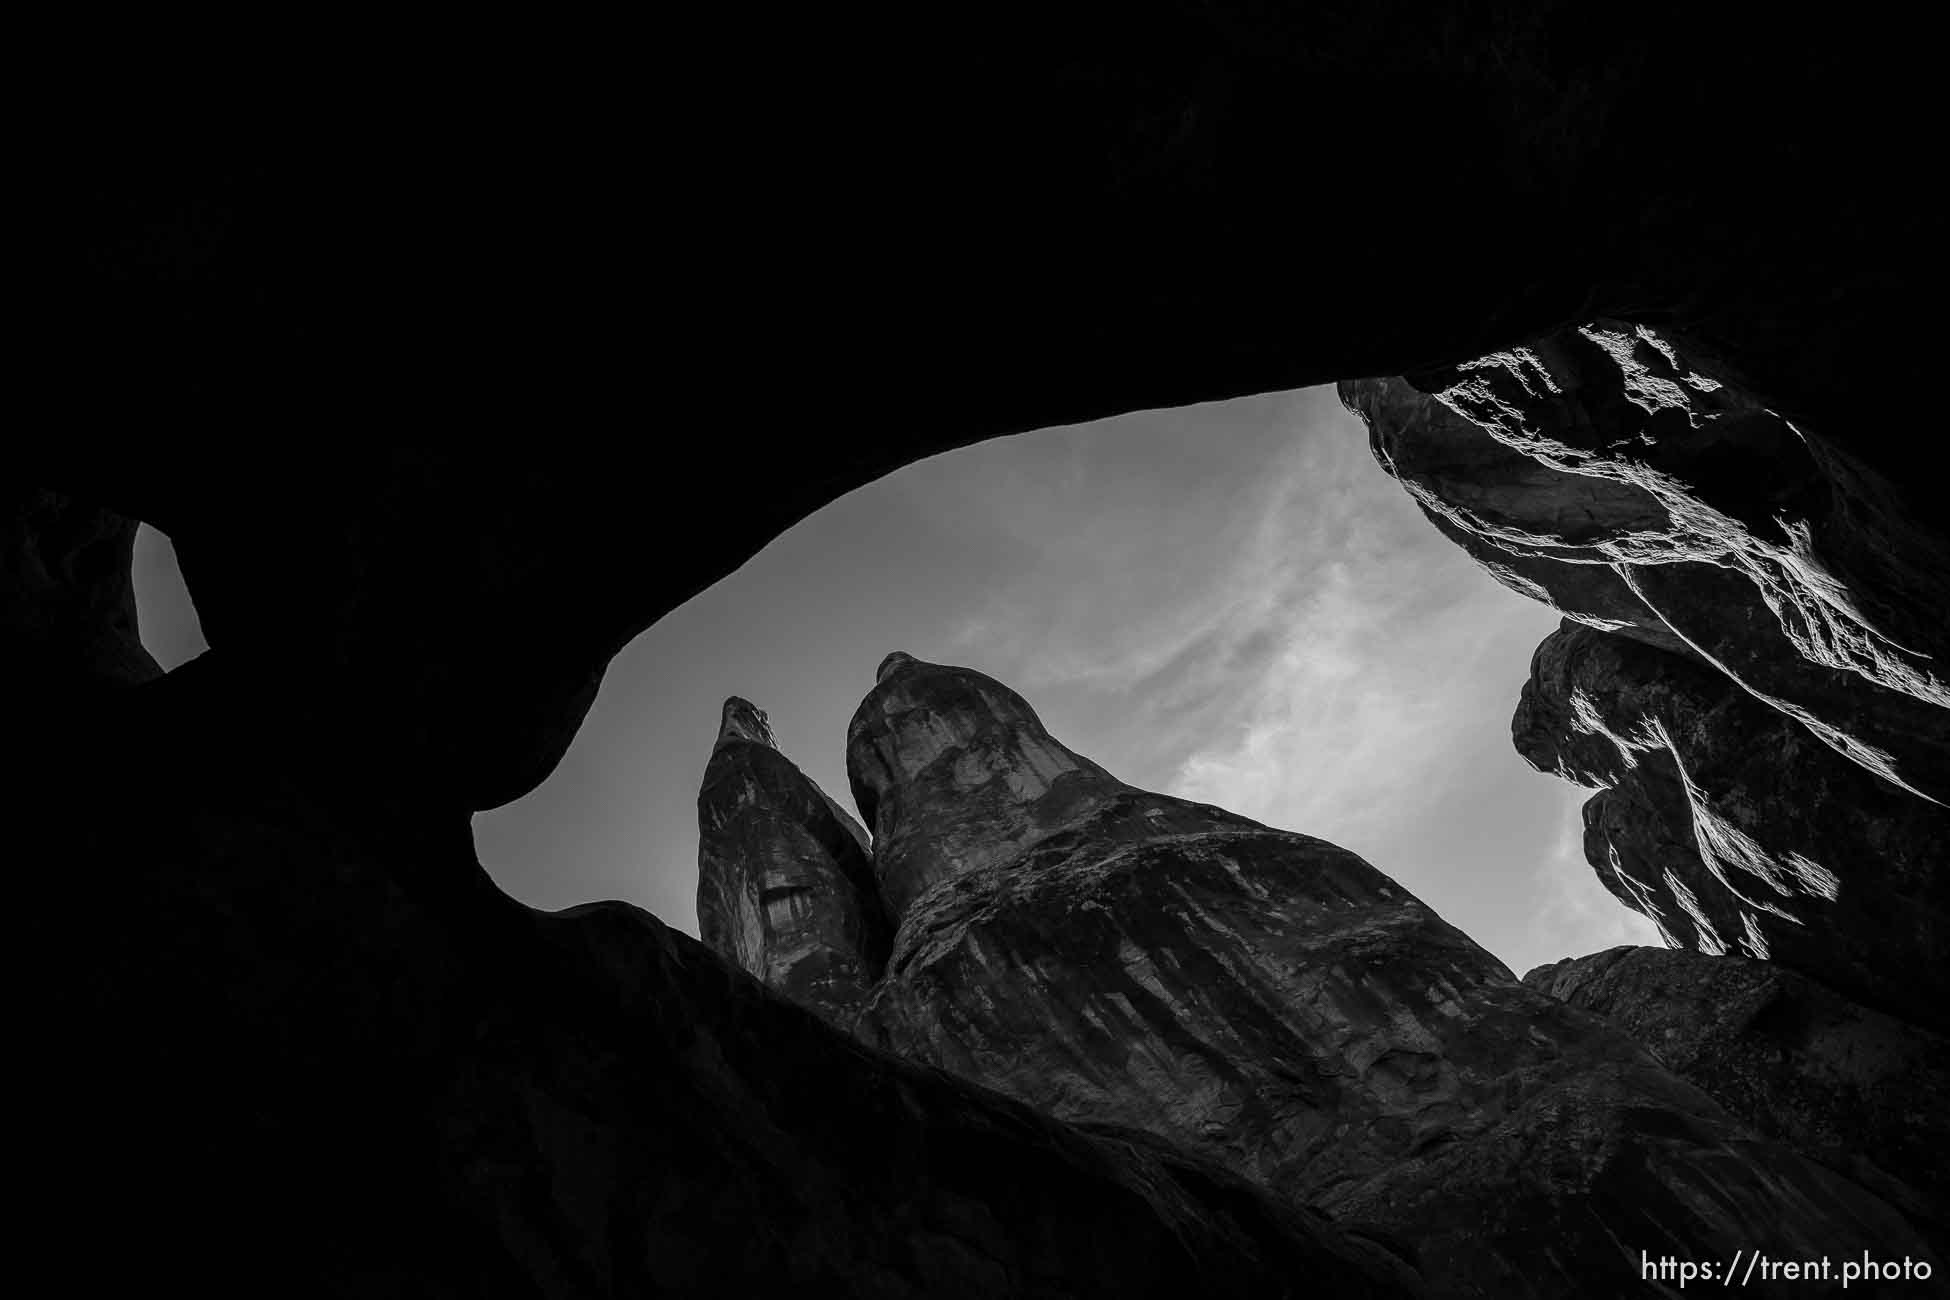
[(785, 886), (955, 771)]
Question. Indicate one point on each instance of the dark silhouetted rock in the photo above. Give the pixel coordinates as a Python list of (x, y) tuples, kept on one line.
[(853, 1173), (541, 1105), (67, 601), (1858, 1090), (1054, 217), (1109, 954), (785, 879), (445, 398)]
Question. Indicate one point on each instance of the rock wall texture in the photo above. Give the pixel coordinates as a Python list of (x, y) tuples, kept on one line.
[(1735, 829), (1110, 955), (1752, 668), (954, 773), (430, 418), (785, 881), (1854, 1088)]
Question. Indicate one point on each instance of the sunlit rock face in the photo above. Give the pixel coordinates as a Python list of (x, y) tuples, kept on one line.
[(785, 885), (1111, 955), (1602, 470), (1858, 1090), (1775, 749), (1734, 828)]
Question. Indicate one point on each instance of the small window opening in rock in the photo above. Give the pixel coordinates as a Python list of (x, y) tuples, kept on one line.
[(164, 612)]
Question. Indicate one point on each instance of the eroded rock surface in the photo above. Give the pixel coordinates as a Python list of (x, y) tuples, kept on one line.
[(1775, 749), (1111, 955), (954, 772), (1734, 828), (371, 381), (1604, 471), (785, 878), (853, 1173), (1861, 1091), (536, 1106)]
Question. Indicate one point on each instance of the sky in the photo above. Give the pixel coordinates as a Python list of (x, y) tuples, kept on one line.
[(1230, 602)]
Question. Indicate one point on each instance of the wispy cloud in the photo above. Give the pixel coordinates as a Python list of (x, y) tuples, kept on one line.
[(1158, 589), (1293, 641), (1134, 590), (1287, 638), (1352, 712)]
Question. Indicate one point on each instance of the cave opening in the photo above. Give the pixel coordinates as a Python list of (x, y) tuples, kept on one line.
[(1230, 602)]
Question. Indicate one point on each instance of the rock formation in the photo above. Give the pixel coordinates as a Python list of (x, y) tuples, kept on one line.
[(574, 1104), (785, 881), (1858, 1090), (1757, 685), (948, 772), (1110, 955), (1751, 675), (851, 1173), (1608, 472), (428, 393), (1732, 826)]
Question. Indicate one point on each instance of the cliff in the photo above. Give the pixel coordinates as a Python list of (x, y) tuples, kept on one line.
[(1270, 1001), (1755, 683), (1734, 828)]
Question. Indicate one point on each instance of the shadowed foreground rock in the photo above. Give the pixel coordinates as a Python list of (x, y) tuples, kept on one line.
[(67, 602), (1860, 1091), (574, 1104), (432, 422), (1758, 684), (1111, 955), (857, 1174)]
